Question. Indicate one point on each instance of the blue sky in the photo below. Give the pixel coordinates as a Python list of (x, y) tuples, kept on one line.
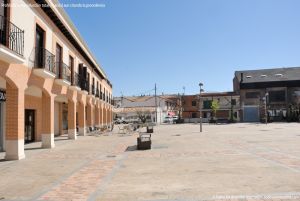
[(178, 43)]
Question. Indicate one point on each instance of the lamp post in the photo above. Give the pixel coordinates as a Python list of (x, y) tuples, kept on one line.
[(266, 112), (200, 105)]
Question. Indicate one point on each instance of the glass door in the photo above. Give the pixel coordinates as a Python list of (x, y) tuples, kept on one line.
[(3, 22), (58, 57), (39, 43), (1, 128), (29, 126)]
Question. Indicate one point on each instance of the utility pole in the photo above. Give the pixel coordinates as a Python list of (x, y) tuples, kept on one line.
[(266, 108), (200, 105), (155, 104)]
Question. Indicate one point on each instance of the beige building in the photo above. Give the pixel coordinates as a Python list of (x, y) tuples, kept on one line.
[(50, 82)]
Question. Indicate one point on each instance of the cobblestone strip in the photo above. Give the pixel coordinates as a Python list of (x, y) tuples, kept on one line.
[(82, 183)]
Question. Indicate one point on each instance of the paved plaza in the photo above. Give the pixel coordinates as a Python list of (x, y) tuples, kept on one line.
[(235, 162)]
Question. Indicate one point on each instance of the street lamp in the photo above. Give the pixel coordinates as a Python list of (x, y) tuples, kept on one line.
[(266, 112), (200, 108)]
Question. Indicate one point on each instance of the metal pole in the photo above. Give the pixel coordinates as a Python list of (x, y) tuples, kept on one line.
[(200, 108), (266, 113), (155, 104)]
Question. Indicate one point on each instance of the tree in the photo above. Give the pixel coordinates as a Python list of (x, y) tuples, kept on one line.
[(143, 115), (214, 107)]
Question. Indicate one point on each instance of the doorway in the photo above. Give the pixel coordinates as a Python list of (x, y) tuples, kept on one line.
[(3, 23), (29, 126), (39, 43), (1, 128), (58, 57)]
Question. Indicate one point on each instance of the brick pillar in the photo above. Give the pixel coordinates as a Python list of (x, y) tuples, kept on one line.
[(110, 115), (106, 115), (89, 116), (72, 120), (92, 116), (96, 115), (47, 121), (14, 143), (101, 115), (81, 119)]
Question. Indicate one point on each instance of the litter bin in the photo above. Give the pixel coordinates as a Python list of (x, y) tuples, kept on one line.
[(144, 142), (149, 129)]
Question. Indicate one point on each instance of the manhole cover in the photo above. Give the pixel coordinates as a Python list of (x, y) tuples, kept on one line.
[(263, 130), (176, 135), (110, 156)]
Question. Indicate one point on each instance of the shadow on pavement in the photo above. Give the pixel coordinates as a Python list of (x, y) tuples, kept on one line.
[(131, 148)]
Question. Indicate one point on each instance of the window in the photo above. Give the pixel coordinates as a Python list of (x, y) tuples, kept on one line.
[(71, 66), (233, 102), (194, 115), (194, 103), (71, 62), (252, 95), (100, 91), (276, 96), (58, 57), (207, 104)]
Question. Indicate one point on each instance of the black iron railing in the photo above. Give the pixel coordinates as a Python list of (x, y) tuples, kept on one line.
[(84, 84), (44, 59), (11, 36), (97, 93), (93, 90), (63, 71), (76, 80)]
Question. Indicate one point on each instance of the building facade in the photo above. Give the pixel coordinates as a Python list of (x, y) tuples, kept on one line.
[(271, 92), (229, 104), (128, 108), (50, 82)]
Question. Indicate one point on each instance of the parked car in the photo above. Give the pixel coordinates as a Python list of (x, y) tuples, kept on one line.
[(175, 118), (167, 119), (120, 121), (171, 119)]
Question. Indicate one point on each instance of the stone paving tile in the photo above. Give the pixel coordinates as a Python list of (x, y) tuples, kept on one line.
[(82, 183), (276, 156)]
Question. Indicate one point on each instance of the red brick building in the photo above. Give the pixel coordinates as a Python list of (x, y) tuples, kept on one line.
[(229, 103)]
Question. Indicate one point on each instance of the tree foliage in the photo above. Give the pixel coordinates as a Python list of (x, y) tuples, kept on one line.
[(215, 106)]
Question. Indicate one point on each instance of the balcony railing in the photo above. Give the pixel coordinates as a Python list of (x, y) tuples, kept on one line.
[(44, 59), (76, 80), (93, 90), (97, 93), (63, 71), (11, 36), (83, 83)]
